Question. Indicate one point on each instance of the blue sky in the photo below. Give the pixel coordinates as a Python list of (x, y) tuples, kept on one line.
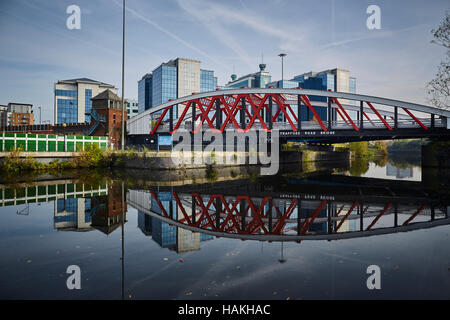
[(395, 62)]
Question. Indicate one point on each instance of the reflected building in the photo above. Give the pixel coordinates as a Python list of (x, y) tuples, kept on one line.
[(145, 223), (73, 214), (80, 209), (393, 171), (109, 211), (164, 234)]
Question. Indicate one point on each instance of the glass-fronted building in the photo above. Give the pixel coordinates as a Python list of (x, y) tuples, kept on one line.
[(72, 99), (174, 79), (258, 79), (334, 80), (207, 81), (145, 93)]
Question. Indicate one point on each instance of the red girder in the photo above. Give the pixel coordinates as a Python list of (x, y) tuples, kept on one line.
[(379, 216), (379, 116), (346, 215), (367, 117), (306, 101), (307, 224), (414, 215), (415, 119), (335, 100), (230, 106)]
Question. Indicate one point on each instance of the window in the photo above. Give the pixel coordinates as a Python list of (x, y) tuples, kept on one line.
[(66, 93), (114, 118), (88, 104), (67, 111)]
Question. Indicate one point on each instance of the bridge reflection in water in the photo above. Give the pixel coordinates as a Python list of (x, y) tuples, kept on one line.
[(282, 216), (181, 217)]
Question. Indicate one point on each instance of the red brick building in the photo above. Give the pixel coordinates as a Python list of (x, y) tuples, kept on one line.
[(110, 212), (107, 117)]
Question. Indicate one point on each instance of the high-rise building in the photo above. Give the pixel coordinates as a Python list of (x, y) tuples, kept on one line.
[(145, 92), (174, 79), (258, 79), (73, 103)]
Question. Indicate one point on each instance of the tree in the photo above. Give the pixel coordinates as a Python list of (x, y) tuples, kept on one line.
[(439, 87)]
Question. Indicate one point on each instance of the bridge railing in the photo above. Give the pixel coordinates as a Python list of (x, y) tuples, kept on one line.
[(314, 125)]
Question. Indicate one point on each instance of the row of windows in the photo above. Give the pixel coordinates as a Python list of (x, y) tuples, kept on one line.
[(88, 103), (66, 93), (67, 111)]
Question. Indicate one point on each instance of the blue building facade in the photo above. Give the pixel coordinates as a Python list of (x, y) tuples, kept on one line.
[(172, 80), (164, 86), (145, 88), (207, 81), (258, 79), (67, 106)]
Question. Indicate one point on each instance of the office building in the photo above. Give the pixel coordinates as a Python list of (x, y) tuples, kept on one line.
[(174, 79), (72, 103), (258, 79), (132, 108), (145, 93), (333, 79)]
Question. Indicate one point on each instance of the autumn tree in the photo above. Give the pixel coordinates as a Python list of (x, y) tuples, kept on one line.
[(439, 87)]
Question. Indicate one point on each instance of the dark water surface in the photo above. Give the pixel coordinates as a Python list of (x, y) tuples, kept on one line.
[(295, 236)]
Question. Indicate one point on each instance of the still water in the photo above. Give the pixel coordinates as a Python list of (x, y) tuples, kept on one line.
[(301, 235)]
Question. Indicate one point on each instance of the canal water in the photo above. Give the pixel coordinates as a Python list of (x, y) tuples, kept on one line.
[(306, 234)]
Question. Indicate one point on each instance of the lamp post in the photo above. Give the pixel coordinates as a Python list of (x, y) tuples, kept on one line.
[(282, 55), (39, 115), (64, 126), (123, 78)]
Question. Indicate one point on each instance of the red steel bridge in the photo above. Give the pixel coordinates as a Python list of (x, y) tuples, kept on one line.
[(297, 114)]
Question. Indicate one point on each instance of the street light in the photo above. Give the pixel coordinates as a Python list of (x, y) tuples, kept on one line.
[(123, 78), (64, 130), (39, 115), (282, 55)]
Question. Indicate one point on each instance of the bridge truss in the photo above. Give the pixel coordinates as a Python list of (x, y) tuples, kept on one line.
[(296, 113)]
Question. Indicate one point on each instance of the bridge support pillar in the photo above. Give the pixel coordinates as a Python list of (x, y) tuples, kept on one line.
[(193, 209), (193, 116), (218, 210), (218, 115), (269, 213), (361, 217), (242, 212), (242, 113), (395, 117), (171, 119), (329, 113), (299, 221), (432, 121), (269, 114), (361, 119)]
